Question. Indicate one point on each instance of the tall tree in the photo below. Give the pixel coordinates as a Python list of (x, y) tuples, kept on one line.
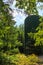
[(8, 32), (8, 35)]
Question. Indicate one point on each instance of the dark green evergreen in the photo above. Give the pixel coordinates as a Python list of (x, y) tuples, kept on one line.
[(31, 24)]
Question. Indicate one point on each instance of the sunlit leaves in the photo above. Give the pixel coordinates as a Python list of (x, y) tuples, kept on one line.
[(28, 5), (8, 32)]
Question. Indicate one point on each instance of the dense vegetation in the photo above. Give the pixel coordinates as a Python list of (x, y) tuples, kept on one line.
[(9, 42), (12, 39), (33, 34), (33, 26)]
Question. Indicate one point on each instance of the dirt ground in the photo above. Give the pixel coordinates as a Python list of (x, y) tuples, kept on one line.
[(41, 58)]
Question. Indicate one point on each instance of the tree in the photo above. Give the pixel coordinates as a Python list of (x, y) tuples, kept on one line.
[(29, 6), (9, 42), (8, 32), (34, 34), (21, 37), (21, 32), (31, 23), (38, 36)]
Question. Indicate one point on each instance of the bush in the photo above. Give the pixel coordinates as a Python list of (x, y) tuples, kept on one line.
[(27, 60), (6, 59), (18, 59)]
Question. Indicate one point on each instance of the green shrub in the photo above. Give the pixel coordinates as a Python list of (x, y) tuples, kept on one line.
[(27, 60), (18, 59), (6, 59)]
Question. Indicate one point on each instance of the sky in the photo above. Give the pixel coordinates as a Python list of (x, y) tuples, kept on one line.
[(40, 11), (20, 17)]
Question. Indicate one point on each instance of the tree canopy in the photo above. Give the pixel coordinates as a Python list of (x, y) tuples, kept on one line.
[(8, 32), (29, 6)]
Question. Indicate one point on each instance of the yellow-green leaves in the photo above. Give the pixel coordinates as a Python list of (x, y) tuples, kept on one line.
[(28, 5)]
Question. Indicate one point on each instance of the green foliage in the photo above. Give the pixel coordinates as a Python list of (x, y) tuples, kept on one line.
[(8, 32), (39, 35), (35, 31), (27, 60), (40, 0), (28, 5), (9, 42), (21, 33), (34, 34), (6, 59), (11, 37), (18, 59)]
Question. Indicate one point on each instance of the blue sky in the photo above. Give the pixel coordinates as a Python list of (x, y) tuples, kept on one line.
[(18, 16), (41, 9)]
